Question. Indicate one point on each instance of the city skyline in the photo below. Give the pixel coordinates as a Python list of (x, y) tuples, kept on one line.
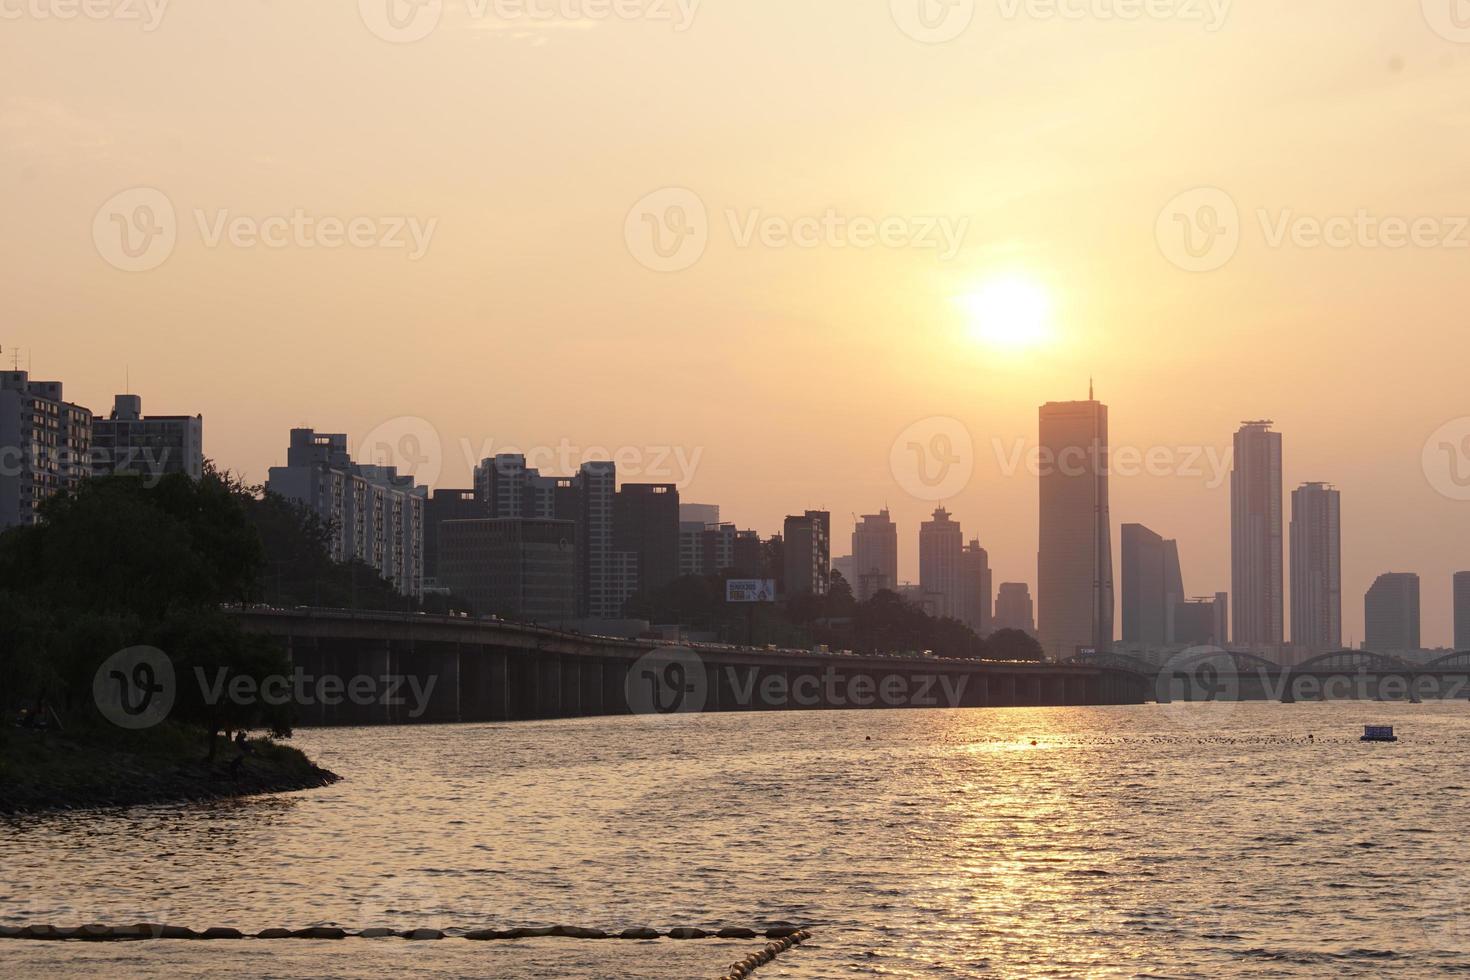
[(1014, 466)]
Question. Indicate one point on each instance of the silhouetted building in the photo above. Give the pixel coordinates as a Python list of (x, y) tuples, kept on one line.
[(874, 555), (976, 589), (1200, 622), (150, 446), (941, 543), (373, 515), (1462, 611), (45, 445), (1075, 557), (750, 555), (1014, 609), (506, 487), (1391, 614), (1152, 584), (646, 524), (1255, 538), (1316, 568), (521, 569), (807, 554), (705, 549), (704, 514), (445, 505)]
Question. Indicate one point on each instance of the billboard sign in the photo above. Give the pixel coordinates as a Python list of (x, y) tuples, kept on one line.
[(750, 590)]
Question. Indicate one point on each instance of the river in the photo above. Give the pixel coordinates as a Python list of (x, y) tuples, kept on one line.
[(1234, 840)]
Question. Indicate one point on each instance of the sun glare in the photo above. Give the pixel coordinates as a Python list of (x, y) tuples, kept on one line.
[(1013, 313)]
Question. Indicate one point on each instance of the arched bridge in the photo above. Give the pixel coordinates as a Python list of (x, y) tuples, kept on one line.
[(387, 668)]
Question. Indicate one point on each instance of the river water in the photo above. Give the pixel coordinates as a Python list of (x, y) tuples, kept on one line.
[(1251, 840)]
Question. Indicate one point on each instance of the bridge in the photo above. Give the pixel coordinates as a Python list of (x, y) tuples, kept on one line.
[(355, 668), (1213, 674)]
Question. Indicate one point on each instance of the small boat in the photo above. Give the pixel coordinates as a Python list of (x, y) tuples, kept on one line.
[(1378, 733)]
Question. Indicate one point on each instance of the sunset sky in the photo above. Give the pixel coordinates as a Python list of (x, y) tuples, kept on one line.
[(522, 147)]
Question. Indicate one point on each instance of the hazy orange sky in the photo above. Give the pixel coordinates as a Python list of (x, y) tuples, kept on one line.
[(528, 319)]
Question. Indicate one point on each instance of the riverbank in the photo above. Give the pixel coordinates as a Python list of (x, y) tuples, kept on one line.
[(52, 770)]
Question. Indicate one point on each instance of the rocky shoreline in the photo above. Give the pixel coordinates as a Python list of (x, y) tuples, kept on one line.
[(51, 771)]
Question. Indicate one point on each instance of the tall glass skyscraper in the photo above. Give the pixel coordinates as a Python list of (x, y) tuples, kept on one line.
[(1255, 538), (1075, 556), (1316, 568)]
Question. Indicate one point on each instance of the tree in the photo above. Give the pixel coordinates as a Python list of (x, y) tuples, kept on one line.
[(1013, 644)]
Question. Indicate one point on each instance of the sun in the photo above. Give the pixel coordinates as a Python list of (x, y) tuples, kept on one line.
[(1014, 313)]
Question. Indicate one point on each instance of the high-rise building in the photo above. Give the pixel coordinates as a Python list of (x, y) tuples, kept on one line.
[(1255, 538), (523, 569), (750, 553), (1152, 584), (506, 487), (976, 590), (150, 446), (874, 555), (607, 579), (372, 514), (1391, 614), (45, 445), (646, 524), (807, 553), (1014, 609), (1462, 611), (705, 549), (941, 543), (445, 505), (1316, 569), (699, 513), (1200, 622), (1075, 557)]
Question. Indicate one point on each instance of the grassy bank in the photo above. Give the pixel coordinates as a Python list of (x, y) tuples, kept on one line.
[(49, 770)]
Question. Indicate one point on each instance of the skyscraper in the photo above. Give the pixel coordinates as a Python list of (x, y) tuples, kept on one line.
[(646, 524), (976, 588), (1075, 557), (1014, 609), (1255, 537), (1316, 568), (940, 545), (1462, 610), (807, 553), (1152, 585), (874, 555), (49, 440), (1391, 614)]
